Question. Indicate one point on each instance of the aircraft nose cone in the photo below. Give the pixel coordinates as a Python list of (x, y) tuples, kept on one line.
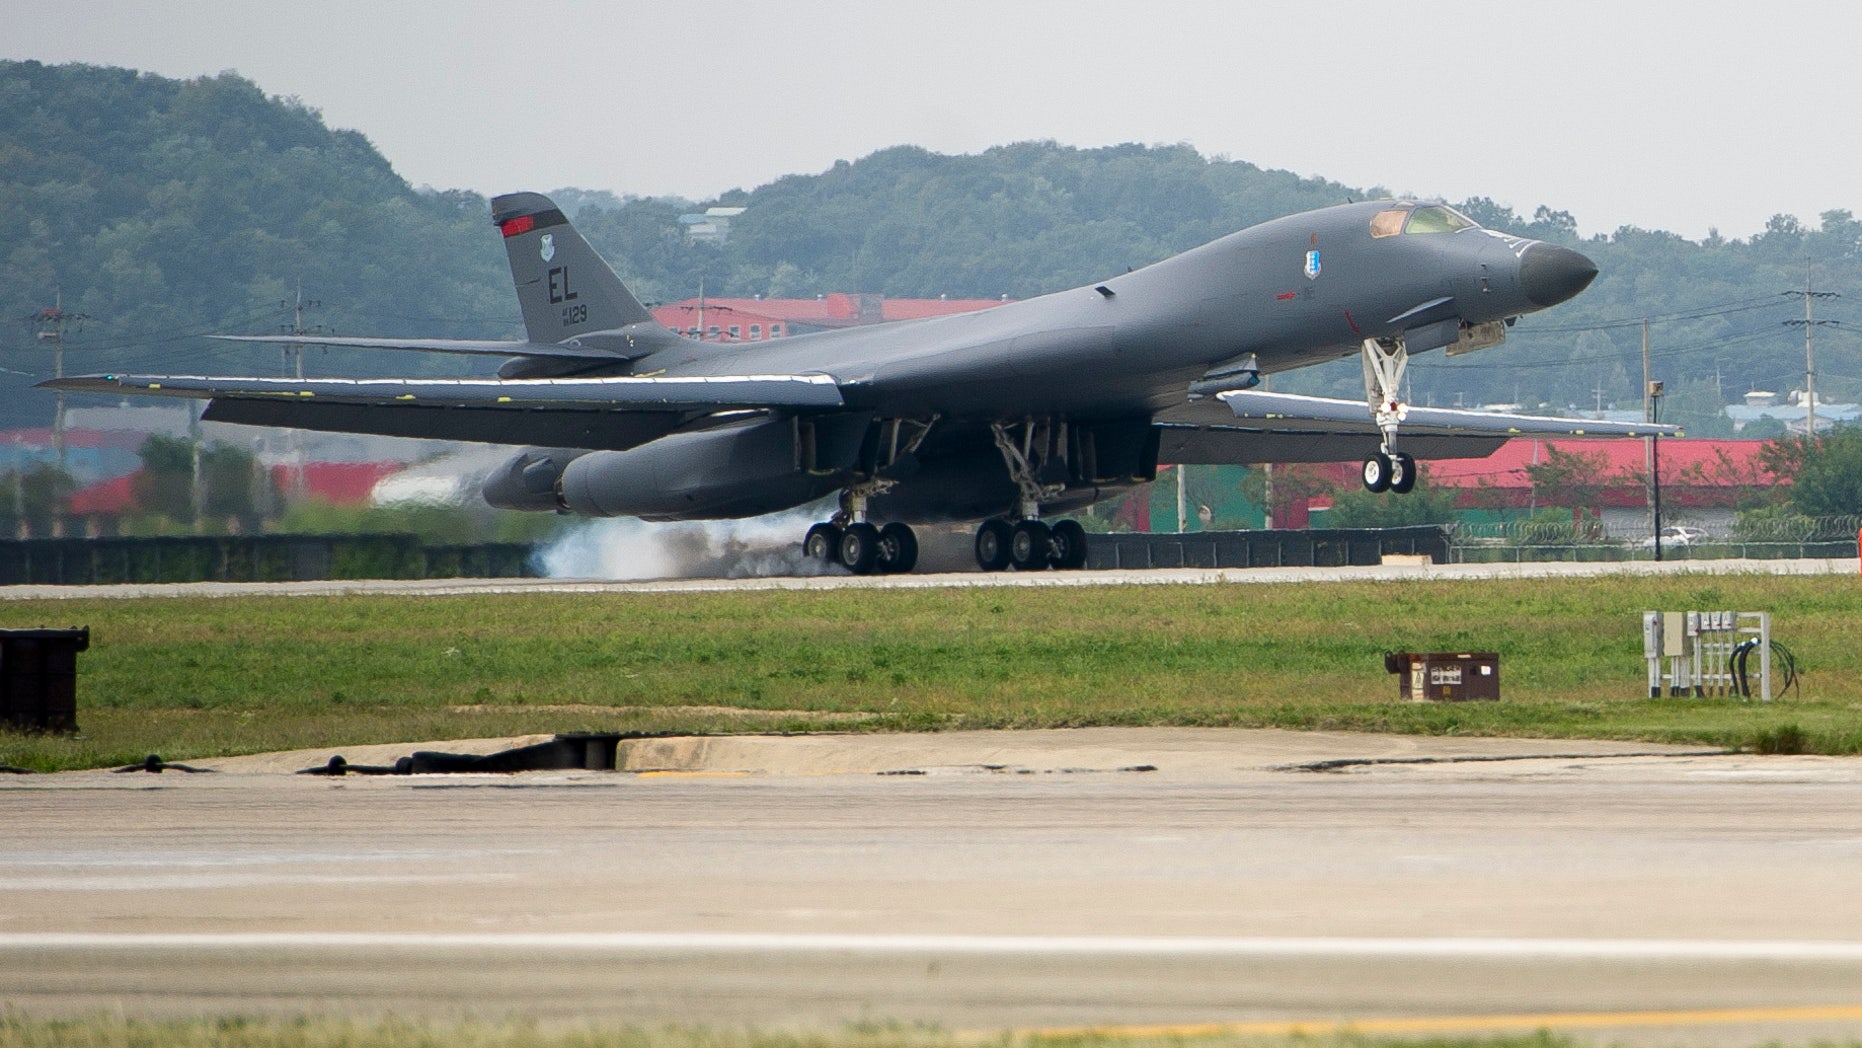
[(1549, 274)]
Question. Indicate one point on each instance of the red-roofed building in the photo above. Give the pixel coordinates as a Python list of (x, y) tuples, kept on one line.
[(1694, 473), (1703, 481), (760, 319), (343, 483)]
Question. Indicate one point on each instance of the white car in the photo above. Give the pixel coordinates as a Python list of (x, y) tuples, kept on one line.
[(1676, 536)]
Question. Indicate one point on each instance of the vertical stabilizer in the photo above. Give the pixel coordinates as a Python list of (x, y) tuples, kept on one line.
[(564, 288)]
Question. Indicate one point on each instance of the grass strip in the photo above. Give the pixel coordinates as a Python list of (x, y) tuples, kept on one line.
[(203, 677)]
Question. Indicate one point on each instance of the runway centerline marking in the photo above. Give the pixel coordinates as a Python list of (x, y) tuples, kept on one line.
[(1090, 945)]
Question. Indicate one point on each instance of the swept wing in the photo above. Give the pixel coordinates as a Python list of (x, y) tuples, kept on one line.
[(596, 413), (1260, 426)]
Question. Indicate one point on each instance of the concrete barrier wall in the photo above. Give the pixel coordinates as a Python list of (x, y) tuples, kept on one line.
[(253, 558), (1336, 547)]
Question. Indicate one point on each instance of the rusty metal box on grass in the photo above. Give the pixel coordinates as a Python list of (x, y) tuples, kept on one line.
[(1445, 676)]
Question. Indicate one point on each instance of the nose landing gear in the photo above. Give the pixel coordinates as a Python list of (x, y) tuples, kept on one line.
[(1388, 470)]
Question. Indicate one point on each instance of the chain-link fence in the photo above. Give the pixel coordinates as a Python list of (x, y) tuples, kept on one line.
[(1758, 536)]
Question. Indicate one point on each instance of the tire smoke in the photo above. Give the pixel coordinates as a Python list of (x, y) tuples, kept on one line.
[(624, 548)]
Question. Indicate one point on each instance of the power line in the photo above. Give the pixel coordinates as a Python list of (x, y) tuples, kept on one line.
[(1810, 360), (51, 323), (1702, 313)]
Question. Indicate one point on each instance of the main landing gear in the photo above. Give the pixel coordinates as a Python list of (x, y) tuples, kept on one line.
[(1031, 545), (858, 545), (1035, 452), (863, 548), (1389, 469)]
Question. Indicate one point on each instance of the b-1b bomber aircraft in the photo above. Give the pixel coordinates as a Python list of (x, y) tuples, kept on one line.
[(1010, 416)]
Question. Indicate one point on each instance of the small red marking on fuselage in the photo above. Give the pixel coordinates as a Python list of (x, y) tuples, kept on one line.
[(1288, 296), (1354, 324)]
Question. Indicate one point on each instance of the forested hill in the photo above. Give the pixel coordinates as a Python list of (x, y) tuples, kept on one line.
[(164, 209)]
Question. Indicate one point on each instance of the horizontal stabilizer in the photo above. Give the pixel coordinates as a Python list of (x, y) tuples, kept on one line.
[(605, 347)]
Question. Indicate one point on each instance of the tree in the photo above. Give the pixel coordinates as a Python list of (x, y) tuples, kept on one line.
[(1354, 507), (1570, 479), (1293, 484), (165, 483), (1825, 471), (235, 486), (42, 494), (1698, 408)]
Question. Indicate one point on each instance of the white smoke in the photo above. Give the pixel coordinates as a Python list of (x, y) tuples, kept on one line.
[(626, 548)]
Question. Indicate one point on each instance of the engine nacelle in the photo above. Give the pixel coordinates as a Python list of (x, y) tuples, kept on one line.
[(741, 470), (528, 481)]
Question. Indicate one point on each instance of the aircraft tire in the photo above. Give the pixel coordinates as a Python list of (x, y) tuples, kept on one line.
[(859, 548), (1377, 470), (992, 544), (822, 544), (1402, 473), (1030, 546), (898, 549), (1069, 546)]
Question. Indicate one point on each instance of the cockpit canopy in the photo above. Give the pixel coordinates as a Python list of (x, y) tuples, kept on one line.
[(1410, 218)]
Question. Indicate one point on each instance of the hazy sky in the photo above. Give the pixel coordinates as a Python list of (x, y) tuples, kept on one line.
[(1677, 116)]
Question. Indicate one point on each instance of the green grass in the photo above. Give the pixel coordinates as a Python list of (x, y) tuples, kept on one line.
[(190, 678)]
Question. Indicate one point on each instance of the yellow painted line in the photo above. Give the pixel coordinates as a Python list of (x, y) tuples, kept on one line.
[(1468, 1023)]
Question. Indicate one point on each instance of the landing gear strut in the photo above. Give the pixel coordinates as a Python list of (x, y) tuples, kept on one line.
[(849, 539), (1035, 452), (1389, 469)]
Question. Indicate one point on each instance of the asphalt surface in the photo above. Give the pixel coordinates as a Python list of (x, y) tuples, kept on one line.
[(981, 881)]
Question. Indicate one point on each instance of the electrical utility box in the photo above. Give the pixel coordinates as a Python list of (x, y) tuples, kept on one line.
[(1445, 676), (39, 678), (1707, 654)]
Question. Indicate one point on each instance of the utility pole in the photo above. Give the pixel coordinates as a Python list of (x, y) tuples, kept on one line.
[(1654, 393), (1267, 473), (52, 324), (1810, 360), (295, 351), (1648, 445)]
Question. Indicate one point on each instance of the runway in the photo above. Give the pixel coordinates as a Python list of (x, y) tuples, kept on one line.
[(843, 581), (984, 881)]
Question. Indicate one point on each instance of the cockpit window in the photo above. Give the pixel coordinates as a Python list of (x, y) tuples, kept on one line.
[(1388, 223), (1437, 219)]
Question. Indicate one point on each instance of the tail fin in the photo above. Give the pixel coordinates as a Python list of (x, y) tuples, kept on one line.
[(564, 288)]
